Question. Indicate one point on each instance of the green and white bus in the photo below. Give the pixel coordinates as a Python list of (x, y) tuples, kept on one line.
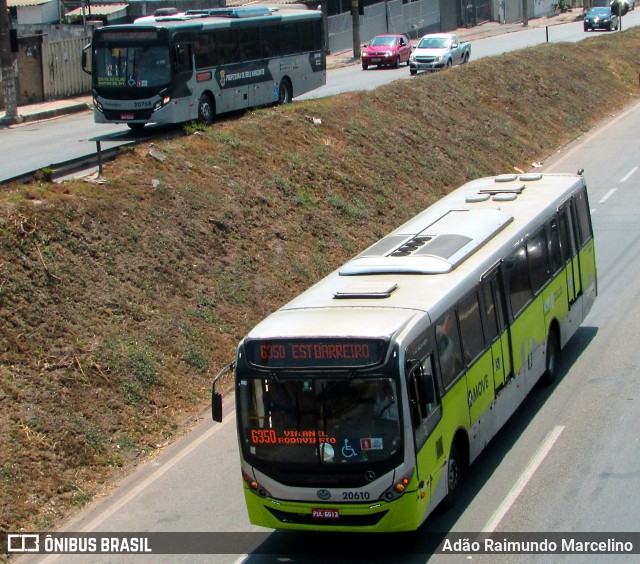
[(362, 402), (198, 64)]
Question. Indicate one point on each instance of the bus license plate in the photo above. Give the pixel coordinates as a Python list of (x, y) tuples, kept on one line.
[(324, 514), (126, 116)]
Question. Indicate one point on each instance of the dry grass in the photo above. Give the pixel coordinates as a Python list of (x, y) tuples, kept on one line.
[(119, 302)]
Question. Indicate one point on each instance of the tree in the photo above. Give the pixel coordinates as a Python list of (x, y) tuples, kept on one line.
[(7, 70)]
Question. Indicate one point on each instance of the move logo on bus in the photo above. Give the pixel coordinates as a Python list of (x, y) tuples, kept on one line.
[(241, 75), (480, 388)]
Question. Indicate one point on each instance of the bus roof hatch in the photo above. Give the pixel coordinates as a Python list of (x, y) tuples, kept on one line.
[(435, 248)]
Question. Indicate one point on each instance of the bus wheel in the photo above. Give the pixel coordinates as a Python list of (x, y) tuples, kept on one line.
[(553, 352), (454, 477), (137, 127), (284, 92), (205, 110)]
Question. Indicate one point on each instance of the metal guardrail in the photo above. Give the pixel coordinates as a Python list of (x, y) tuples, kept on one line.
[(55, 171)]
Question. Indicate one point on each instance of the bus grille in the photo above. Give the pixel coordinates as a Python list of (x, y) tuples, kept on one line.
[(137, 115), (341, 521)]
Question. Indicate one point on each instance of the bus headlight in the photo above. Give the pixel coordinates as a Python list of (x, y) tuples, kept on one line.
[(160, 103), (399, 488), (97, 105), (254, 486)]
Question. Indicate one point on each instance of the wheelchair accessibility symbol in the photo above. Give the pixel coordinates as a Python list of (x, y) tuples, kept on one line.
[(349, 451)]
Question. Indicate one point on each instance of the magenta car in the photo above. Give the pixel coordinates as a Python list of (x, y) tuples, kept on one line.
[(386, 50)]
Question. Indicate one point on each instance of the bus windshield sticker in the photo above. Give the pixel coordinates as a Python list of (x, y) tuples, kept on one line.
[(371, 443)]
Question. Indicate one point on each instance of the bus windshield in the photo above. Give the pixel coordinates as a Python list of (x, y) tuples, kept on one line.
[(132, 66), (322, 421)]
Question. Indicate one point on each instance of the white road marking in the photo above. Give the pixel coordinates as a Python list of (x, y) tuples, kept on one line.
[(528, 473), (607, 195), (159, 472), (593, 133), (626, 176), (142, 485)]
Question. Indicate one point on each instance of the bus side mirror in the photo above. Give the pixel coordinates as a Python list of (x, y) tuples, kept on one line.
[(216, 406), (216, 397), (85, 59)]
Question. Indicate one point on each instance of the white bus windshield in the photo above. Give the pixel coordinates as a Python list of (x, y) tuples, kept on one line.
[(312, 420), (134, 67)]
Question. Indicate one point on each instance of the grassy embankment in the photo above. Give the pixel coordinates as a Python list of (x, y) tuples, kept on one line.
[(118, 302)]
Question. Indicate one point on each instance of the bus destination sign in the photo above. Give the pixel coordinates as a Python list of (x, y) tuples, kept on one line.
[(134, 35), (315, 353)]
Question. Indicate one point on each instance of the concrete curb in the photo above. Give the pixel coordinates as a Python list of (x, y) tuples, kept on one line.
[(45, 114)]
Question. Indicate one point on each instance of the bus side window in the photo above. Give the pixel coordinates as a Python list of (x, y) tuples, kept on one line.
[(290, 39), (423, 399), (494, 311), (449, 351), (270, 39), (555, 253), (538, 255), (307, 38), (206, 54), (565, 235), (518, 282), (229, 51), (585, 232), (473, 342), (183, 57), (250, 45)]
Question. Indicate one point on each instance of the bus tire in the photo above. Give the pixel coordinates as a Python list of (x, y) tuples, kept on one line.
[(454, 477), (206, 110), (552, 357), (284, 92)]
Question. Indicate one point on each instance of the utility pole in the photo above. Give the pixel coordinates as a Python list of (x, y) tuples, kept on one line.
[(525, 13), (7, 69), (355, 17), (325, 24)]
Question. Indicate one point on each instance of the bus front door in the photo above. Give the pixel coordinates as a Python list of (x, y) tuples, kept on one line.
[(570, 254), (498, 327)]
